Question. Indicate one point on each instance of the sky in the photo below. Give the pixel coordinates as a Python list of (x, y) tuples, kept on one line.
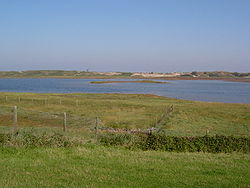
[(125, 35)]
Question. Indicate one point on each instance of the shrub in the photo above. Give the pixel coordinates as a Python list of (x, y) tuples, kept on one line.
[(212, 144), (29, 139)]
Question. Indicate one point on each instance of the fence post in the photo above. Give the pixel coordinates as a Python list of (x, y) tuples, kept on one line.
[(64, 121), (60, 101), (172, 108), (6, 98), (96, 125), (19, 99), (15, 118), (207, 132)]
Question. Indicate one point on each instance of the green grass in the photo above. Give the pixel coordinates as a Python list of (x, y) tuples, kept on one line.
[(189, 118), (96, 166), (92, 165), (131, 81)]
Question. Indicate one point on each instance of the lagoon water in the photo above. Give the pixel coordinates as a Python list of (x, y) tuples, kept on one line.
[(199, 90)]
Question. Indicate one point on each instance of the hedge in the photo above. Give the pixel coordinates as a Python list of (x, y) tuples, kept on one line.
[(212, 144)]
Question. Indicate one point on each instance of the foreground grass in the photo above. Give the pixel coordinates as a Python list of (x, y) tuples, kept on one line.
[(96, 166), (92, 165), (189, 118)]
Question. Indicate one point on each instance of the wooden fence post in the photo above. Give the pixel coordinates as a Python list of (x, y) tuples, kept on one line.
[(19, 99), (172, 108), (96, 125), (207, 132), (6, 98), (64, 121), (15, 118)]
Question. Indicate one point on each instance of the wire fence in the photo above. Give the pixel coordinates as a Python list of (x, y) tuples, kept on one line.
[(41, 100), (21, 117), (33, 118)]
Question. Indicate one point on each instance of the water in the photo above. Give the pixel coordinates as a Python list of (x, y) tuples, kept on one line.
[(199, 90)]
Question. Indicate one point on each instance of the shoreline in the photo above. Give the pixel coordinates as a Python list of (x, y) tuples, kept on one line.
[(244, 80), (128, 94)]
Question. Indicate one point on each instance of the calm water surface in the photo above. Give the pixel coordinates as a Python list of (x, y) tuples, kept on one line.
[(200, 90)]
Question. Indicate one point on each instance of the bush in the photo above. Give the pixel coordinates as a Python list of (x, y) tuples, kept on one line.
[(29, 139), (212, 144)]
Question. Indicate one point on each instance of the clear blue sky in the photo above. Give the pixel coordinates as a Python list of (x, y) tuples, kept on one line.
[(125, 35)]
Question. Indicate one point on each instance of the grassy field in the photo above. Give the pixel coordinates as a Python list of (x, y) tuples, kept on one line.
[(189, 118), (96, 166), (93, 165)]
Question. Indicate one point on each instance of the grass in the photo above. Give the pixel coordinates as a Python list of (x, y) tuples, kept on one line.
[(131, 81), (132, 111), (93, 165), (96, 166)]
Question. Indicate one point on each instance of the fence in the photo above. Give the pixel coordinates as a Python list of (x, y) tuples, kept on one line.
[(63, 119), (20, 117), (41, 100)]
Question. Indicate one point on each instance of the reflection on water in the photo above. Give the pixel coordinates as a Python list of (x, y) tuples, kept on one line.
[(200, 90)]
